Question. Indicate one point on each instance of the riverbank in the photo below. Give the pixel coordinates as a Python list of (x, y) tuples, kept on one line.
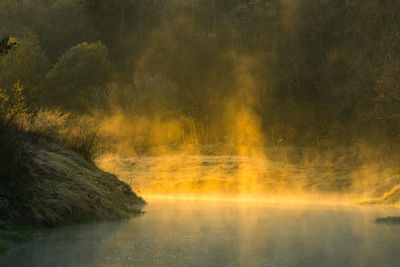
[(60, 188)]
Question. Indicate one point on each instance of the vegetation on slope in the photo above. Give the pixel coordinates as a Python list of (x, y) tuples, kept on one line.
[(47, 177), (61, 187), (53, 186)]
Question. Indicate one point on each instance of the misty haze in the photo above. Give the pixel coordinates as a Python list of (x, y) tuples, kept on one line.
[(199, 132)]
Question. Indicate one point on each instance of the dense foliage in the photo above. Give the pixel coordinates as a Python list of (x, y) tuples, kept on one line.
[(321, 72)]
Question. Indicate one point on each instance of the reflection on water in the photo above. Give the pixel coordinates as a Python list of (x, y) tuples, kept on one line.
[(222, 234)]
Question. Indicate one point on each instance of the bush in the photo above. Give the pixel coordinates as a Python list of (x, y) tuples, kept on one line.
[(78, 133), (82, 137), (12, 106), (48, 123), (12, 147)]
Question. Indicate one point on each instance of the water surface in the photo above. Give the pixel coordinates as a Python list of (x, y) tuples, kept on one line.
[(177, 233)]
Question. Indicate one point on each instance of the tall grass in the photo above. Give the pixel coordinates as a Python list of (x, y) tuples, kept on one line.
[(18, 124), (76, 132)]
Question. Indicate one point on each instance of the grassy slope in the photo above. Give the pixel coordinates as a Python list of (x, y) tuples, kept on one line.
[(62, 188)]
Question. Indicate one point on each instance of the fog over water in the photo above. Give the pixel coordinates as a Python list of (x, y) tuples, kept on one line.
[(177, 233)]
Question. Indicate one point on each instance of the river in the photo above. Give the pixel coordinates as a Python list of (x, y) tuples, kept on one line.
[(196, 233)]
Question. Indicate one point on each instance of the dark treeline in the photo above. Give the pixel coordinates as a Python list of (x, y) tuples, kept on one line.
[(322, 71)]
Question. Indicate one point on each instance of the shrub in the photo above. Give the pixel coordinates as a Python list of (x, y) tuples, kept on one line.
[(12, 105), (48, 123), (12, 147), (82, 137), (79, 132)]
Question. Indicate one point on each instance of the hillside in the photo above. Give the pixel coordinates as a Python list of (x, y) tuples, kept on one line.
[(60, 188)]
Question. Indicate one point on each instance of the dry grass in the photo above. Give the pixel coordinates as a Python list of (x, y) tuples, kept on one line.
[(76, 132)]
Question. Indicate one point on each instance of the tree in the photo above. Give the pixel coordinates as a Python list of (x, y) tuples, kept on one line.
[(79, 78), (6, 45), (27, 64)]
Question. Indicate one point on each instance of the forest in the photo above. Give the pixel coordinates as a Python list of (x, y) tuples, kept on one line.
[(310, 73)]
